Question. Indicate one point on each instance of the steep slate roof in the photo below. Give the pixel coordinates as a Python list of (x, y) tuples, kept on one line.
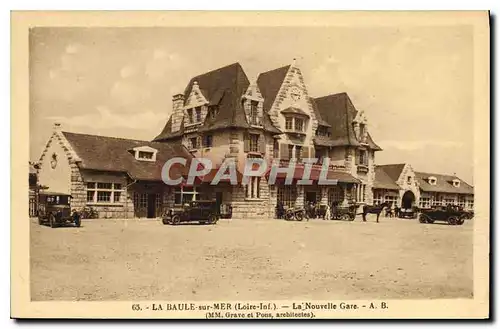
[(383, 180), (114, 154), (269, 84), (339, 112), (392, 170), (223, 87), (443, 184)]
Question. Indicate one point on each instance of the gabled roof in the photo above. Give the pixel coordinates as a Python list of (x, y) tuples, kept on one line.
[(383, 180), (392, 170), (223, 87), (114, 154), (270, 83), (444, 184), (339, 112)]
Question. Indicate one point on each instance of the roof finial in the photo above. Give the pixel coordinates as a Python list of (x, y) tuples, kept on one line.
[(57, 126), (195, 82), (294, 62)]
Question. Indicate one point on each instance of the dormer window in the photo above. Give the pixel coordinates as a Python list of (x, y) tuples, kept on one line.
[(198, 114), (254, 113), (456, 183), (190, 116), (145, 153), (299, 124), (432, 180), (322, 131), (288, 123), (213, 110)]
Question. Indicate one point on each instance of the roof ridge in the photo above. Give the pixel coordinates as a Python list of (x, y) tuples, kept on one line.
[(276, 69), (111, 137), (219, 68)]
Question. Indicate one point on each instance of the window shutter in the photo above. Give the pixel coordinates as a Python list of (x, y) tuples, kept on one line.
[(262, 143), (284, 151), (246, 147), (305, 152)]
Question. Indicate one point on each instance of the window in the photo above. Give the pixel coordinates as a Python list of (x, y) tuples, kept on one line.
[(145, 155), (448, 201), (198, 114), (470, 204), (190, 116), (362, 157), (322, 131), (207, 140), (254, 113), (140, 200), (252, 189), (335, 195), (432, 180), (90, 196), (213, 110), (103, 196), (392, 199), (286, 195), (461, 201), (319, 154), (378, 196), (362, 130), (299, 124), (425, 202), (290, 151), (185, 194), (254, 142), (456, 183), (408, 179), (103, 192), (288, 123), (194, 142), (298, 153), (276, 149)]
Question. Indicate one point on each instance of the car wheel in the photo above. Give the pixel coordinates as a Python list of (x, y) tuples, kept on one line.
[(52, 221), (164, 221), (288, 216), (423, 218), (452, 220), (176, 219), (212, 219), (346, 217), (460, 221), (299, 216)]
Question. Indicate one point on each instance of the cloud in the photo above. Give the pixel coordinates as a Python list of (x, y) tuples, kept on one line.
[(104, 118), (416, 145)]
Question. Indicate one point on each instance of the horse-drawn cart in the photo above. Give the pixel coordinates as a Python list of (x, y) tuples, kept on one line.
[(344, 213)]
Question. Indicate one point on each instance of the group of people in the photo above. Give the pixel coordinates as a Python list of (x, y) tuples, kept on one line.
[(312, 210)]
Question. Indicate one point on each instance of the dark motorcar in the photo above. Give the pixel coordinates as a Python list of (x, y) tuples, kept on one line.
[(54, 209), (410, 213), (204, 212), (454, 215)]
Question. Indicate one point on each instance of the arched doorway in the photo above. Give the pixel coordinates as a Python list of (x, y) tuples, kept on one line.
[(408, 200)]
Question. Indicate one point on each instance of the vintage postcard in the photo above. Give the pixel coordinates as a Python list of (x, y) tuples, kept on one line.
[(250, 165)]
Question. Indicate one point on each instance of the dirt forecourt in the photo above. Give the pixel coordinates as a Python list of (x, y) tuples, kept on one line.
[(251, 260)]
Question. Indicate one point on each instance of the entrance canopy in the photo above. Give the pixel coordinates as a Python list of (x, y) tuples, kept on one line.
[(340, 176)]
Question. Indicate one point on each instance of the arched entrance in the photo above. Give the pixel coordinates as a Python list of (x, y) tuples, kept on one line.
[(408, 200)]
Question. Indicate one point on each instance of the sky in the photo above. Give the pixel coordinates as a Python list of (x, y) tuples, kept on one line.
[(415, 84)]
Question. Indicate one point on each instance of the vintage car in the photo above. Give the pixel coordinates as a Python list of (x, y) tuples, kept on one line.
[(410, 213), (204, 212), (344, 213), (453, 215), (54, 210)]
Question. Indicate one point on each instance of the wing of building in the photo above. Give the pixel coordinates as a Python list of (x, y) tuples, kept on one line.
[(221, 114), (406, 188)]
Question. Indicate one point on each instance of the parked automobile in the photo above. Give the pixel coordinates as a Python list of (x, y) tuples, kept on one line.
[(204, 212), (453, 215), (54, 210), (294, 214), (410, 213), (344, 213)]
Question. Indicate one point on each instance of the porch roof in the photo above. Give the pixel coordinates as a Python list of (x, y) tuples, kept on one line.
[(340, 176)]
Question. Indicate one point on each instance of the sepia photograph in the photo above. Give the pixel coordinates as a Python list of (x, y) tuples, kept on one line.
[(221, 169)]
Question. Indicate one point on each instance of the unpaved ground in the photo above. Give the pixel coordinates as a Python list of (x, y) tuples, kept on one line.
[(251, 260)]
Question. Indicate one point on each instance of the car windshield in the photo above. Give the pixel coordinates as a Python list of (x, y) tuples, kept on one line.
[(57, 199)]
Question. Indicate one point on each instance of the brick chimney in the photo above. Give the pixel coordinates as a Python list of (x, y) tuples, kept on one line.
[(177, 111)]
